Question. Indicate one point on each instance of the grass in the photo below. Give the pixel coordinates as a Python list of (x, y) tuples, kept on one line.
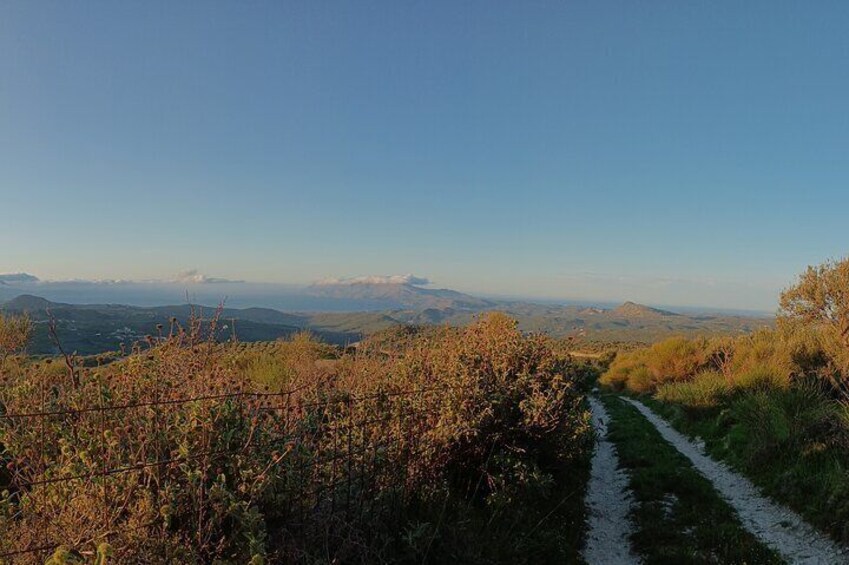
[(679, 517), (787, 441)]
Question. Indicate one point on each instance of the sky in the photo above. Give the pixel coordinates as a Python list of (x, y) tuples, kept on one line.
[(690, 153)]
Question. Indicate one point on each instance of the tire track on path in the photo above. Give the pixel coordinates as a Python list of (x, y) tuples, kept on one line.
[(778, 527), (608, 501)]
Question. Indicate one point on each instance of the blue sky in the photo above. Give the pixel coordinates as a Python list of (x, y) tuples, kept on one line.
[(666, 152)]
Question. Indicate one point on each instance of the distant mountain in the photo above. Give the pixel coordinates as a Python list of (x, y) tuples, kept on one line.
[(591, 311), (634, 310), (627, 322), (27, 303), (400, 295)]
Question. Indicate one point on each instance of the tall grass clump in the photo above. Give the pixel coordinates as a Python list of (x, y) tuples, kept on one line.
[(796, 421), (705, 390), (774, 355), (675, 359), (284, 364)]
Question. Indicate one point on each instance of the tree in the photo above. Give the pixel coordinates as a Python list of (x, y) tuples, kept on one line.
[(820, 299), (15, 332)]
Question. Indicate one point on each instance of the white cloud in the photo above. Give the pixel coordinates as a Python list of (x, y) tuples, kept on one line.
[(376, 279), (192, 276), (18, 278)]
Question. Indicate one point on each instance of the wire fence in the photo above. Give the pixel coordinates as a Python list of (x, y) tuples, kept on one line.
[(333, 458)]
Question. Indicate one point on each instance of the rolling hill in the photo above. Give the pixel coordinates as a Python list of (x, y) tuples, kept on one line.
[(401, 295), (95, 328)]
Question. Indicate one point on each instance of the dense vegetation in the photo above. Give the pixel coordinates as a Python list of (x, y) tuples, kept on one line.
[(455, 445), (774, 403)]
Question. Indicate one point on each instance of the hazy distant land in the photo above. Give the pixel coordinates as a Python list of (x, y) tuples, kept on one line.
[(97, 319)]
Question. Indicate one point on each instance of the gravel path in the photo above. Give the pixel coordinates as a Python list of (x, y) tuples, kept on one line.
[(776, 526), (608, 501)]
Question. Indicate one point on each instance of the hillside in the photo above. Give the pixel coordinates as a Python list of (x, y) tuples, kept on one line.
[(633, 310), (400, 295), (93, 328)]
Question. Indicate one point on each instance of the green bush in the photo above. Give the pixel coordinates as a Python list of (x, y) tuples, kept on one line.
[(676, 359), (767, 356), (620, 371), (706, 390), (762, 377)]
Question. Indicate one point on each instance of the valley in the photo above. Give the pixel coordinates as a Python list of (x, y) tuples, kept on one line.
[(97, 328)]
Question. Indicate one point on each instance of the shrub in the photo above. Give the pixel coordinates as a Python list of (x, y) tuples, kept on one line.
[(672, 360), (15, 332), (786, 422), (762, 377), (641, 380), (482, 419), (706, 390), (619, 373), (772, 356), (676, 359), (819, 300)]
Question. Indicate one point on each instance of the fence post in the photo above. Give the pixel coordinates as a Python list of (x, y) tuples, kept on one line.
[(350, 456)]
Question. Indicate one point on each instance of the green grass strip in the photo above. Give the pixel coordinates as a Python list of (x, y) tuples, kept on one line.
[(679, 517), (804, 471)]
